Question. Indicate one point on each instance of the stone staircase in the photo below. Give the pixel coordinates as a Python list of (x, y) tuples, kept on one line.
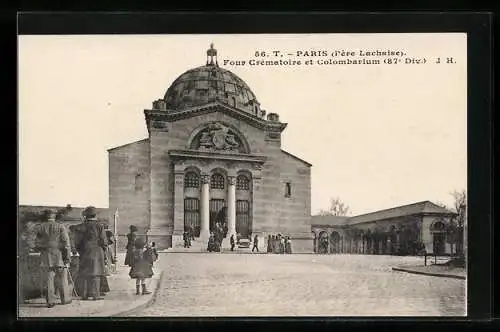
[(197, 245), (200, 246)]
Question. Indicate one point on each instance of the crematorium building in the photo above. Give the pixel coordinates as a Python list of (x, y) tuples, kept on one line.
[(212, 155)]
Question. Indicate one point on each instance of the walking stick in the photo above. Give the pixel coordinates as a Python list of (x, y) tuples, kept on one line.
[(72, 281)]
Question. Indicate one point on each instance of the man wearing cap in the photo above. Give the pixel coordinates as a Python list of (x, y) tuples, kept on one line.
[(53, 240), (92, 245)]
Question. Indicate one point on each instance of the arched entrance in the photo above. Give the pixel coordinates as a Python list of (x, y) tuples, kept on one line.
[(323, 242), (243, 204), (192, 220), (335, 242), (438, 230)]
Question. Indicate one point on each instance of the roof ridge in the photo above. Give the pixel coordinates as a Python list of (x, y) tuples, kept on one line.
[(298, 158), (126, 144), (393, 208)]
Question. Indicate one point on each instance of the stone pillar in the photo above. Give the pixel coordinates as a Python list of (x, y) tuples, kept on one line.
[(177, 238), (231, 206), (205, 208)]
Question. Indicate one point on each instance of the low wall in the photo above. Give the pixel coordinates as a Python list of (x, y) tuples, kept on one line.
[(29, 277)]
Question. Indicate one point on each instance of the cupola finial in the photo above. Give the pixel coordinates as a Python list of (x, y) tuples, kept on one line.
[(211, 53)]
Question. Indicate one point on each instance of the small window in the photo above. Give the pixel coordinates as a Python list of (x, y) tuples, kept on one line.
[(256, 110), (234, 101), (217, 181), (137, 182), (191, 180), (242, 183), (288, 189)]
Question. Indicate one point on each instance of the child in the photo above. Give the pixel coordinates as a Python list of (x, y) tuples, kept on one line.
[(142, 259)]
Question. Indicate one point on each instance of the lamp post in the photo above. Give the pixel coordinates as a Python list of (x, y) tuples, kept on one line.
[(115, 230), (462, 231)]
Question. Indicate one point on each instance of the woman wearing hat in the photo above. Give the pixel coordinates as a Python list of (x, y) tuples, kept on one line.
[(131, 237)]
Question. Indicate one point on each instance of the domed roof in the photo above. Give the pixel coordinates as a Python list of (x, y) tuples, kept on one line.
[(206, 84)]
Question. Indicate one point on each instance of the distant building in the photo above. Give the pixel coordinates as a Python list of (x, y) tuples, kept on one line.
[(400, 230)]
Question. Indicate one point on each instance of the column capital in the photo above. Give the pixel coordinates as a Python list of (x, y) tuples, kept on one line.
[(231, 180), (205, 178), (179, 168)]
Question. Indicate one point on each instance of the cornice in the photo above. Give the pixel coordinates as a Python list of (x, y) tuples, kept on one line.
[(196, 154), (171, 116)]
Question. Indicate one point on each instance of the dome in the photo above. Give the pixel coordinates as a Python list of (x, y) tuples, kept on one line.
[(206, 84)]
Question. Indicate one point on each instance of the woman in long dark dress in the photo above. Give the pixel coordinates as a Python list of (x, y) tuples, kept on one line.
[(131, 237), (269, 244), (92, 246)]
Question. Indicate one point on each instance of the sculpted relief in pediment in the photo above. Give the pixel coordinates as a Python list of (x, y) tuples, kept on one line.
[(218, 137)]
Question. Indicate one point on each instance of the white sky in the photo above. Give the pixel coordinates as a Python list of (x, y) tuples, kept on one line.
[(377, 136)]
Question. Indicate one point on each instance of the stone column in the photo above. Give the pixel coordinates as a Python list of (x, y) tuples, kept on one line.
[(205, 208), (231, 206), (177, 238)]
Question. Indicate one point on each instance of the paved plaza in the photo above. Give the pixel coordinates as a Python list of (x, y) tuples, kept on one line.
[(300, 285)]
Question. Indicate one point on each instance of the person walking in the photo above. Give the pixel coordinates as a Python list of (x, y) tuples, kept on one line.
[(269, 244), (92, 258), (255, 243), (54, 242), (231, 239), (130, 243)]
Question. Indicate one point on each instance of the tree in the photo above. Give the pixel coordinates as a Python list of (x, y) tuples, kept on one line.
[(460, 205), (337, 208)]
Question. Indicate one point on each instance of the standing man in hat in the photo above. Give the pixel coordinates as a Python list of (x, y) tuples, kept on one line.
[(92, 258), (131, 237), (53, 240)]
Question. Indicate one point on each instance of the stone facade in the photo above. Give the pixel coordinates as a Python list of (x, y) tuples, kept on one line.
[(215, 159)]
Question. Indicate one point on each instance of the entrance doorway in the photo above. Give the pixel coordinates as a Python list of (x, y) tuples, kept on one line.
[(438, 240), (335, 242), (192, 215), (218, 213), (438, 230), (243, 219)]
